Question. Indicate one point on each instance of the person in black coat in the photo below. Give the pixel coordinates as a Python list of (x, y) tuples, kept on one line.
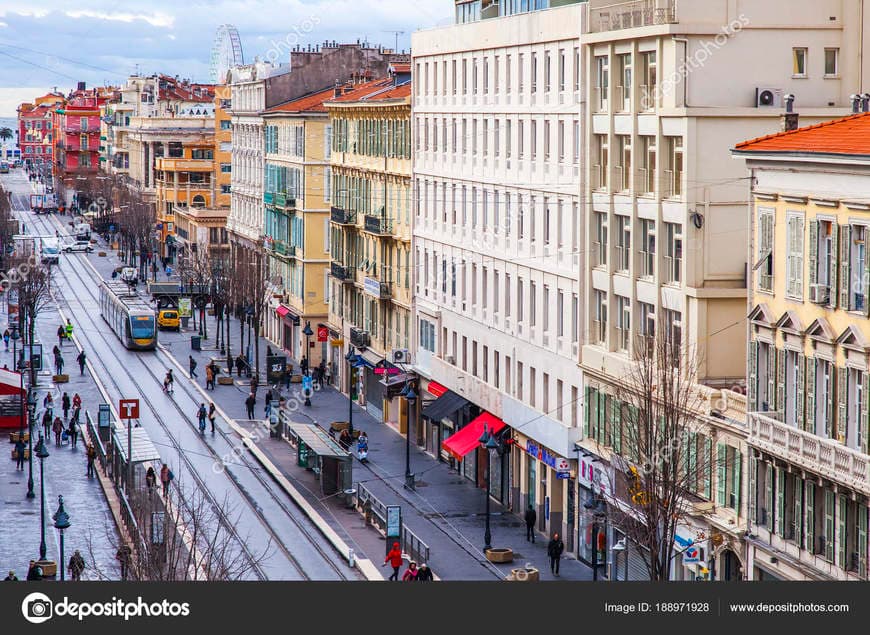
[(554, 551), (424, 573), (249, 404), (531, 518)]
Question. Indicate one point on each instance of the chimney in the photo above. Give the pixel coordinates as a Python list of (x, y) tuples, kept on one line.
[(865, 102), (790, 120), (856, 103), (336, 92), (81, 86)]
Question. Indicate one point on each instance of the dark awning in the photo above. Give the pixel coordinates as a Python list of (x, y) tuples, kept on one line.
[(444, 406)]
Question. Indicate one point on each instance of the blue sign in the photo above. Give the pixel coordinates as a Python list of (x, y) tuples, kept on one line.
[(541, 453), (307, 384), (683, 542), (692, 554)]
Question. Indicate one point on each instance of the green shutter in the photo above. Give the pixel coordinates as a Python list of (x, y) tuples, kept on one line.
[(842, 403), (832, 265), (780, 502), (831, 405), (845, 244), (736, 475), (800, 363), (798, 509), (864, 421), (633, 421), (616, 425), (768, 498), (866, 273), (780, 380), (753, 375), (830, 524), (771, 378), (587, 420), (862, 540), (721, 474), (810, 524), (810, 414), (691, 458), (708, 468), (813, 253), (601, 419), (842, 511)]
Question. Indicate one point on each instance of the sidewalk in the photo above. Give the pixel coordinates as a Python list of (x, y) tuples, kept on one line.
[(446, 511)]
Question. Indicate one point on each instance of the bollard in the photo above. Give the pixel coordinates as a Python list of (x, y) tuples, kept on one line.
[(350, 557)]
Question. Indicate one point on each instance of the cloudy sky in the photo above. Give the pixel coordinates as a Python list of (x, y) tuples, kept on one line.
[(57, 43)]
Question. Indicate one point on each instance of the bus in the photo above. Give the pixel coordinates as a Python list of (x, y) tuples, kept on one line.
[(130, 316)]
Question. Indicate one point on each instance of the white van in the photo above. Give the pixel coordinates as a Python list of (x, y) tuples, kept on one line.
[(82, 231), (50, 250)]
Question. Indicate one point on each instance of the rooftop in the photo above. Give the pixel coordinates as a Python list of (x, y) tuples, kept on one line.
[(312, 102), (378, 90), (847, 136)]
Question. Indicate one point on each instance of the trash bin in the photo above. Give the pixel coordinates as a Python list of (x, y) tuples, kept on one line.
[(195, 342), (350, 498)]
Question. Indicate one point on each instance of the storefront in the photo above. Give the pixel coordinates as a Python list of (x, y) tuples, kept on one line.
[(443, 413), (288, 324), (545, 483), (465, 447)]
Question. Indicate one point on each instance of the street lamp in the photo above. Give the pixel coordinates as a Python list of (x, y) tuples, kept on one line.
[(31, 411), (15, 335), (307, 332), (411, 398), (351, 358), (61, 522), (41, 454), (488, 443), (599, 513)]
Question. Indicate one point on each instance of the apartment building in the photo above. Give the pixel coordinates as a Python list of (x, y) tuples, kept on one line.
[(34, 128), (497, 248), (298, 145), (672, 87), (809, 371), (370, 238)]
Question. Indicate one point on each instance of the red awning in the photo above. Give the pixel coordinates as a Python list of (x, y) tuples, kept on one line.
[(282, 310), (436, 389), (468, 438)]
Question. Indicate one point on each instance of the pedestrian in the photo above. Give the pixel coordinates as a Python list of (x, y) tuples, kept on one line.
[(61, 333), (91, 456), (317, 377), (362, 447), (240, 363), (165, 479), (424, 573), (249, 403), (201, 415), (58, 365), (46, 422), (6, 336), (69, 330), (209, 378), (81, 359), (150, 478), (268, 399), (11, 577), (77, 401), (344, 439), (192, 363), (394, 557), (76, 566), (303, 364), (34, 572), (268, 352), (531, 518), (554, 551), (123, 557), (329, 374), (20, 449), (56, 352), (231, 363), (57, 428), (48, 401), (73, 430), (255, 382), (65, 403), (212, 415), (288, 375), (411, 572)]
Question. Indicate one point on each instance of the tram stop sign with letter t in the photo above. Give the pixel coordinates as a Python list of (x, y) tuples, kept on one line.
[(128, 408)]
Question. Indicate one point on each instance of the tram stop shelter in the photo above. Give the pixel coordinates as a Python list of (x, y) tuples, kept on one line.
[(319, 452), (143, 450)]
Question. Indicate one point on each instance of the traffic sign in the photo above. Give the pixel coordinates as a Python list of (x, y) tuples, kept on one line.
[(128, 408)]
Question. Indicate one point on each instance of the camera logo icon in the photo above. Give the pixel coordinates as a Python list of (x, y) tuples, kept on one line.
[(37, 608)]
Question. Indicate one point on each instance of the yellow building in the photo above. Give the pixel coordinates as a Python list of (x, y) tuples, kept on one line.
[(809, 340), (371, 273), (296, 198), (223, 144)]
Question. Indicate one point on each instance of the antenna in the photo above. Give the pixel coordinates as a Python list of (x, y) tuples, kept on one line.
[(397, 34)]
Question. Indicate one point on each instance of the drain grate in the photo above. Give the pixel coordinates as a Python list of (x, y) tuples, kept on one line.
[(12, 502)]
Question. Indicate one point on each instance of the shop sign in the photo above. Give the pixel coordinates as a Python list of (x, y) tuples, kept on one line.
[(692, 554), (372, 287), (544, 456), (591, 475), (322, 334)]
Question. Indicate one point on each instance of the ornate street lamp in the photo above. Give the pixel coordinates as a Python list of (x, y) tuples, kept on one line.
[(41, 454), (351, 358), (599, 514), (61, 522), (411, 397), (31, 411), (487, 442)]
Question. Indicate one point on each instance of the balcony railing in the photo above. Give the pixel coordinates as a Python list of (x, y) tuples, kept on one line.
[(269, 198), (341, 216), (360, 338), (822, 456), (378, 225), (631, 15), (340, 272)]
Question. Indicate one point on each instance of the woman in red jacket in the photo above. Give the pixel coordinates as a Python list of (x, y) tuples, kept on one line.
[(394, 557)]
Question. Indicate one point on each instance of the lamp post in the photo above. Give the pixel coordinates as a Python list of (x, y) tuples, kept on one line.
[(599, 513), (411, 398), (61, 522), (41, 454), (308, 333), (350, 357), (14, 335), (488, 442), (31, 411)]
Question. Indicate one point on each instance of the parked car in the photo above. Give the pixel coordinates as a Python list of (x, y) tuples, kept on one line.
[(79, 245), (168, 319)]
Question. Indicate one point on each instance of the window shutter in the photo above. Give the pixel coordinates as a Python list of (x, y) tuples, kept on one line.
[(601, 419), (800, 363), (810, 385), (842, 509), (864, 421), (633, 437), (831, 404), (861, 540), (832, 266), (753, 375), (768, 498), (780, 502), (615, 425), (736, 475), (780, 380), (842, 401), (814, 251), (771, 378), (866, 273), (810, 524), (721, 472), (708, 468), (692, 462), (590, 408), (797, 490), (845, 245)]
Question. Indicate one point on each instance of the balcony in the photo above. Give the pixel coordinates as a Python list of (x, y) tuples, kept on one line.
[(378, 225), (269, 198), (631, 15), (341, 216), (340, 272), (281, 200), (360, 338), (825, 457)]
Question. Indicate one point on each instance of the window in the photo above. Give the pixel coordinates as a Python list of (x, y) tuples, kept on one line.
[(823, 397), (647, 319), (648, 80), (427, 335), (520, 138), (855, 423), (226, 124), (520, 300), (599, 331), (599, 247), (794, 387), (832, 62), (794, 269), (534, 72), (602, 79), (561, 141), (623, 322), (547, 74), (546, 140), (533, 303), (575, 316), (474, 76), (646, 172), (674, 255), (600, 166), (623, 91), (521, 73), (673, 333), (647, 248), (622, 158), (226, 168), (728, 471), (575, 157), (546, 307), (533, 140), (562, 70), (560, 314), (486, 75), (765, 250), (673, 173), (858, 281), (623, 243), (799, 62)]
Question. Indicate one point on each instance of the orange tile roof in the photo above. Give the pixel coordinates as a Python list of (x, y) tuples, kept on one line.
[(313, 102), (377, 90), (846, 136), (401, 67)]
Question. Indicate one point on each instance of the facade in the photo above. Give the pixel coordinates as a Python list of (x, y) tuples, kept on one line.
[(809, 370), (497, 249), (664, 228), (370, 236), (35, 138), (223, 145), (298, 140)]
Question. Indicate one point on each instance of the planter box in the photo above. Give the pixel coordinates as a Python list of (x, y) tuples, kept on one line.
[(26, 454), (296, 379), (60, 379), (101, 253), (524, 574), (13, 437), (500, 555), (49, 568), (225, 381)]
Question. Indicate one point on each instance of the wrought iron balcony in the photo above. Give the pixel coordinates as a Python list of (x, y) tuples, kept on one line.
[(360, 338), (341, 216), (378, 225), (340, 272), (630, 15)]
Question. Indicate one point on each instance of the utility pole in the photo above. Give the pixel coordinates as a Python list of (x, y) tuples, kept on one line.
[(397, 34)]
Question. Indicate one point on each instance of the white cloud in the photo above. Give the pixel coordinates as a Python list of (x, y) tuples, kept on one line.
[(157, 19), (13, 96)]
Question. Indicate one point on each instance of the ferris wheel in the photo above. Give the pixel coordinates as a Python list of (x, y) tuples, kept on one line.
[(226, 52)]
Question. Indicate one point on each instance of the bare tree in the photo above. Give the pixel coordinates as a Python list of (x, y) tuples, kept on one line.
[(32, 280), (196, 270), (8, 223), (254, 290), (654, 424)]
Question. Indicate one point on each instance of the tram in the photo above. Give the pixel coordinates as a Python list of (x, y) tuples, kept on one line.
[(131, 317)]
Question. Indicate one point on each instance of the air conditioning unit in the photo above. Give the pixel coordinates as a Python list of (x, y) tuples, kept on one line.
[(401, 356), (820, 293), (450, 359), (768, 97)]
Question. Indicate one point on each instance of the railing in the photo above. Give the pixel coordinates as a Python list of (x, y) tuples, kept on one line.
[(342, 216), (269, 198), (823, 456), (378, 225), (340, 272), (376, 512), (360, 338), (630, 15), (416, 549)]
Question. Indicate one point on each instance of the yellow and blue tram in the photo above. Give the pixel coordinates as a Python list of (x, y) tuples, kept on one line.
[(131, 317)]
